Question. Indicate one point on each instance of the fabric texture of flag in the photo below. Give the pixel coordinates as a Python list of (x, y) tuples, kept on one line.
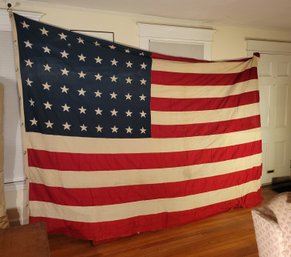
[(120, 141)]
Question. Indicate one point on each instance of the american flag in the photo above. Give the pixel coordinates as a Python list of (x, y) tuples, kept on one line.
[(121, 141)]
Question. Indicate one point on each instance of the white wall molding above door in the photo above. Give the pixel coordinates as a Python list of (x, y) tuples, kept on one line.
[(269, 47)]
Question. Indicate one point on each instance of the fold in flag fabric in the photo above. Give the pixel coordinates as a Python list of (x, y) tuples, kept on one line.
[(120, 141)]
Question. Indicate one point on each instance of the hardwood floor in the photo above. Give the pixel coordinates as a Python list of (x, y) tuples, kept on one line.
[(229, 234)]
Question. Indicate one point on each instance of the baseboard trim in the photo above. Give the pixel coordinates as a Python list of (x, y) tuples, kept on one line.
[(16, 201), (15, 185)]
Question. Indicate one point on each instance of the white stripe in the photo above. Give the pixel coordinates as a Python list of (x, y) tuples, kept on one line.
[(195, 117), (189, 92), (145, 207), (208, 68), (83, 179), (100, 145)]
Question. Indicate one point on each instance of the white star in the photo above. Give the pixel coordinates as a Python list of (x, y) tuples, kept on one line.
[(63, 36), (98, 60), (128, 80), (98, 76), (25, 25), (114, 62), (82, 57), (82, 92), (96, 43), (47, 67), (113, 95), (114, 112), (28, 62), (99, 128), (46, 49), (114, 129), (64, 54), (66, 108), (64, 71), (49, 124), (128, 96), (98, 111), (143, 114), (33, 122), (31, 102), (143, 130), (28, 44), (128, 113), (82, 110), (44, 31), (29, 82), (82, 74), (129, 64), (143, 81), (112, 47), (83, 127), (127, 51), (46, 86), (113, 78), (80, 40), (47, 105), (64, 89), (98, 93), (143, 66), (129, 130), (141, 53), (142, 97), (67, 126)]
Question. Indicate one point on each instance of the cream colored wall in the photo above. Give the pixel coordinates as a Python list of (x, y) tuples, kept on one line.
[(228, 42)]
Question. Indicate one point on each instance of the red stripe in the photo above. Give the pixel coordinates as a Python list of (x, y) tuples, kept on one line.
[(200, 104), (95, 162), (115, 229), (192, 60), (195, 79), (203, 129), (123, 194)]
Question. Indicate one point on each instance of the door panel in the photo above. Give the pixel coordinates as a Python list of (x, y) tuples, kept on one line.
[(275, 83), (282, 108)]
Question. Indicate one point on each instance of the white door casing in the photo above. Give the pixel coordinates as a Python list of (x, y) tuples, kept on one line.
[(175, 40)]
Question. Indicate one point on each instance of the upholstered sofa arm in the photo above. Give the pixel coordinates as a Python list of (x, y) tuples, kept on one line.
[(269, 235)]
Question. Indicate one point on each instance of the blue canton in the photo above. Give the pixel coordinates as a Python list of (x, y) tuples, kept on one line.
[(76, 85)]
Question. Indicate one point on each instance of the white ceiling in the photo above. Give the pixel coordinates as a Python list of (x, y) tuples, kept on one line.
[(258, 13)]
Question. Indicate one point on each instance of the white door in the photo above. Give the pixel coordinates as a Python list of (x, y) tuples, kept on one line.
[(275, 104)]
